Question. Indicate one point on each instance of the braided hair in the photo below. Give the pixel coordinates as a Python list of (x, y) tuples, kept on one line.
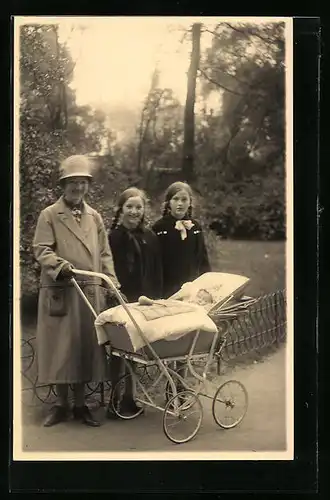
[(125, 195), (171, 191)]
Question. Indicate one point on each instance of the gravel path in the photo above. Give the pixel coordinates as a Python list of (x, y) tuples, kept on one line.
[(263, 428)]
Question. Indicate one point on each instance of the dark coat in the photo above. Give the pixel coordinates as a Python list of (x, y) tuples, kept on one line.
[(137, 262), (183, 260), (67, 347)]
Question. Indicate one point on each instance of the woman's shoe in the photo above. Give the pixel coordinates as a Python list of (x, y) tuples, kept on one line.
[(56, 415), (84, 415)]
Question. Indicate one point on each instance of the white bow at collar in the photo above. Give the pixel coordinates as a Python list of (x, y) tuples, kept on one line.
[(182, 226)]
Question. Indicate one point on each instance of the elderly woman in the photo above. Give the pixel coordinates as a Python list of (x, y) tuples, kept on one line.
[(71, 234)]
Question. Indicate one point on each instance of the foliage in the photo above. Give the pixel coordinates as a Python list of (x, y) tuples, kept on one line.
[(160, 133), (239, 149), (52, 127)]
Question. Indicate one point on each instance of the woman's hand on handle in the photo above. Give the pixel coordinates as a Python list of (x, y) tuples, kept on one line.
[(66, 272)]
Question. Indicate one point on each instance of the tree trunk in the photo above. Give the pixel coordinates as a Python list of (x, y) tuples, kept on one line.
[(140, 144), (56, 114), (144, 123), (189, 115)]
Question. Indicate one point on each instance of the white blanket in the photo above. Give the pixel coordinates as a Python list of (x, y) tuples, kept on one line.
[(167, 319)]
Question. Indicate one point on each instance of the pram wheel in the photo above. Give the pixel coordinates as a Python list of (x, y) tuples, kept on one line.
[(117, 398), (179, 387), (44, 393), (190, 382), (182, 418), (147, 374), (230, 404), (34, 393)]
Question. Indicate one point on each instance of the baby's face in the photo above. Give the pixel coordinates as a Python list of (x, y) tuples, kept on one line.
[(203, 297)]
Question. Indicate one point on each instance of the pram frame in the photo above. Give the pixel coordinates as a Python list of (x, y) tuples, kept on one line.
[(173, 405)]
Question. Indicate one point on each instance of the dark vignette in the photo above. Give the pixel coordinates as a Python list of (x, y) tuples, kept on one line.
[(217, 477)]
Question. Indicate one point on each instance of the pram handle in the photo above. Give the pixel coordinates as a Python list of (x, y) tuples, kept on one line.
[(109, 282), (103, 277), (111, 285)]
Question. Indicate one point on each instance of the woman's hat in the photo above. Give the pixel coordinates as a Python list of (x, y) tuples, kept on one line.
[(75, 166)]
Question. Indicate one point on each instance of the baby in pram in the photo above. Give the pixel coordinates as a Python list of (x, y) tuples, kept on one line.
[(194, 295)]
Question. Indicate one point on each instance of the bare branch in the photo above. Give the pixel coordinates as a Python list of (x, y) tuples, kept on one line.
[(143, 129), (184, 37), (212, 32), (243, 82), (218, 84), (230, 52), (248, 32)]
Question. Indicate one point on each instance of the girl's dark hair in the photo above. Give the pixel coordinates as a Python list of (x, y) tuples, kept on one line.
[(172, 190), (125, 195)]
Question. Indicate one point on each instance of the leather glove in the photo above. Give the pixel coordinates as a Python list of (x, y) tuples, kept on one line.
[(66, 272)]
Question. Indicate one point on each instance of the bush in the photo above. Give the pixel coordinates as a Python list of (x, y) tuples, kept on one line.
[(250, 210)]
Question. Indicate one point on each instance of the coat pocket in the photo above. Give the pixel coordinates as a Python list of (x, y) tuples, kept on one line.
[(57, 302)]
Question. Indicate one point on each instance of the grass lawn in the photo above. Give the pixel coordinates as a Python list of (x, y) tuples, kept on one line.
[(261, 261)]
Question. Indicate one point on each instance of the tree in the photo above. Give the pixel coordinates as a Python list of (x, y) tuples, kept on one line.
[(52, 126), (159, 134), (189, 115), (241, 148), (251, 82), (148, 114)]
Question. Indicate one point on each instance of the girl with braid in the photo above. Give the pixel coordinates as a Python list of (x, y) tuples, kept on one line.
[(183, 250), (137, 263), (135, 248), (184, 254)]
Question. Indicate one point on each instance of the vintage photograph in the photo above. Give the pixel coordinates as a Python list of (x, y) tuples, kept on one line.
[(153, 228)]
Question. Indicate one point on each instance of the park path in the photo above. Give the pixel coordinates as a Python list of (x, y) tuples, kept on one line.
[(263, 429)]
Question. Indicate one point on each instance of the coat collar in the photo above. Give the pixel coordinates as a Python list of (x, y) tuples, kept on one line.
[(139, 230), (80, 231), (61, 207), (173, 220)]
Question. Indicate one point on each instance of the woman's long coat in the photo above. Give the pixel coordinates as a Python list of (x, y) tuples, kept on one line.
[(67, 347)]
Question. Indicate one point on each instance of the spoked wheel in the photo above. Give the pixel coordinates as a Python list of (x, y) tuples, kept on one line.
[(27, 354), (91, 388), (43, 393), (192, 384), (230, 404), (179, 387), (117, 398), (147, 374), (34, 394), (182, 418)]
